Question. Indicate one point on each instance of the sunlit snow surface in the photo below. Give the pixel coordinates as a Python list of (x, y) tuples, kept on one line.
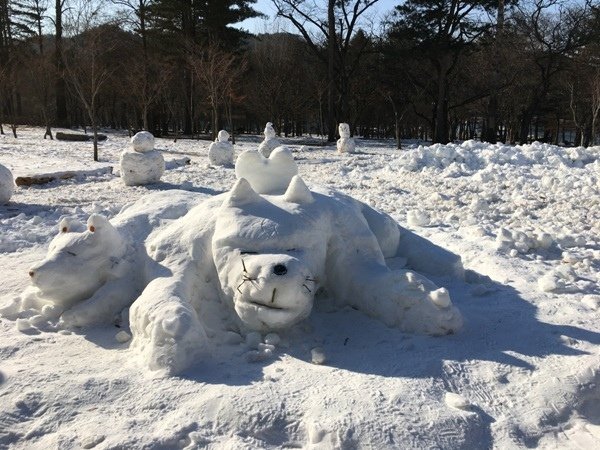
[(525, 369)]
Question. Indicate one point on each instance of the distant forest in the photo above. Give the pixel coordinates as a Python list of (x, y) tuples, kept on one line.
[(496, 70)]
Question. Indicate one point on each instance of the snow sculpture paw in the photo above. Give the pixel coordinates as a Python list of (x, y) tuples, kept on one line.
[(416, 305), (167, 333)]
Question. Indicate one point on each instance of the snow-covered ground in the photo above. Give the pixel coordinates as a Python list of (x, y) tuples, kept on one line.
[(524, 371)]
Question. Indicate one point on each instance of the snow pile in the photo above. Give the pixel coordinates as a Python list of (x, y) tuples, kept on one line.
[(471, 156), (141, 164), (270, 175), (7, 184), (270, 142), (345, 143), (220, 152)]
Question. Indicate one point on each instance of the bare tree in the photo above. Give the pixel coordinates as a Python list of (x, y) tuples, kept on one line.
[(335, 26), (216, 71), (89, 68)]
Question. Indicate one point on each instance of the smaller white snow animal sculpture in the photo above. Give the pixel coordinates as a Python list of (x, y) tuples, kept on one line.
[(345, 143), (270, 175), (270, 142), (220, 152), (141, 164), (92, 273), (7, 184), (244, 261)]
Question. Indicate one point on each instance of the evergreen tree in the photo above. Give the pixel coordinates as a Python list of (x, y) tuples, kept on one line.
[(440, 32)]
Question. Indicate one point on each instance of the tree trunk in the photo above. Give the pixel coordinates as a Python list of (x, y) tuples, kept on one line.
[(440, 135), (60, 85), (331, 71), (95, 141)]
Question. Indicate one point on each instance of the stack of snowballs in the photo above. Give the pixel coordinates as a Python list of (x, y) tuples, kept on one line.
[(7, 184), (141, 164)]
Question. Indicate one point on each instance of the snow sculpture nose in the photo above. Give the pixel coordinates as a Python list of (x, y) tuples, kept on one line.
[(279, 269), (31, 273)]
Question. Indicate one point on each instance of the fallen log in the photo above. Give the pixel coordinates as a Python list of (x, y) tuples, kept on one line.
[(49, 177), (76, 137)]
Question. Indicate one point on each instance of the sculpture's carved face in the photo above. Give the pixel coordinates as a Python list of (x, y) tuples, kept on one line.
[(77, 263), (269, 256), (344, 130)]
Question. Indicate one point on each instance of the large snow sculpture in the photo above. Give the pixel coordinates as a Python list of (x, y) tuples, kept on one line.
[(220, 152), (270, 142), (270, 175), (345, 143), (141, 164), (247, 261), (7, 184), (90, 274)]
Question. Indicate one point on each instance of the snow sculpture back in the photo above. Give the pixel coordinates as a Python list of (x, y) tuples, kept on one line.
[(220, 152), (345, 143), (141, 164), (245, 261), (270, 142), (270, 175), (7, 184)]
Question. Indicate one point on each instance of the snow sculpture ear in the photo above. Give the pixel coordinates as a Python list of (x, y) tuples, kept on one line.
[(241, 194), (96, 222), (70, 224), (297, 192), (63, 225)]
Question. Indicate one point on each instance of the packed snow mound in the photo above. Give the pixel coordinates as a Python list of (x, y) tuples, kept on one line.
[(345, 143), (91, 273), (220, 152), (270, 142), (472, 156), (270, 175), (7, 184), (141, 168), (247, 262), (142, 142)]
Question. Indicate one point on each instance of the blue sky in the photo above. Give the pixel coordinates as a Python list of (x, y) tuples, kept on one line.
[(268, 25)]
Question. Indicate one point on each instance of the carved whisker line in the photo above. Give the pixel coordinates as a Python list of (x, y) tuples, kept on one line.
[(245, 278), (307, 288), (273, 296)]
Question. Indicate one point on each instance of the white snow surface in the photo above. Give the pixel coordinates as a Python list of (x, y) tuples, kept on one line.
[(7, 184), (524, 371)]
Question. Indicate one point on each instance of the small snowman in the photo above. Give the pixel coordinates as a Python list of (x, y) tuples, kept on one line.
[(141, 164), (270, 143), (7, 184), (220, 152), (345, 143)]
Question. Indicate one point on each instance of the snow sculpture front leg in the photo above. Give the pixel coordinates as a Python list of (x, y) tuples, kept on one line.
[(400, 298), (166, 331)]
